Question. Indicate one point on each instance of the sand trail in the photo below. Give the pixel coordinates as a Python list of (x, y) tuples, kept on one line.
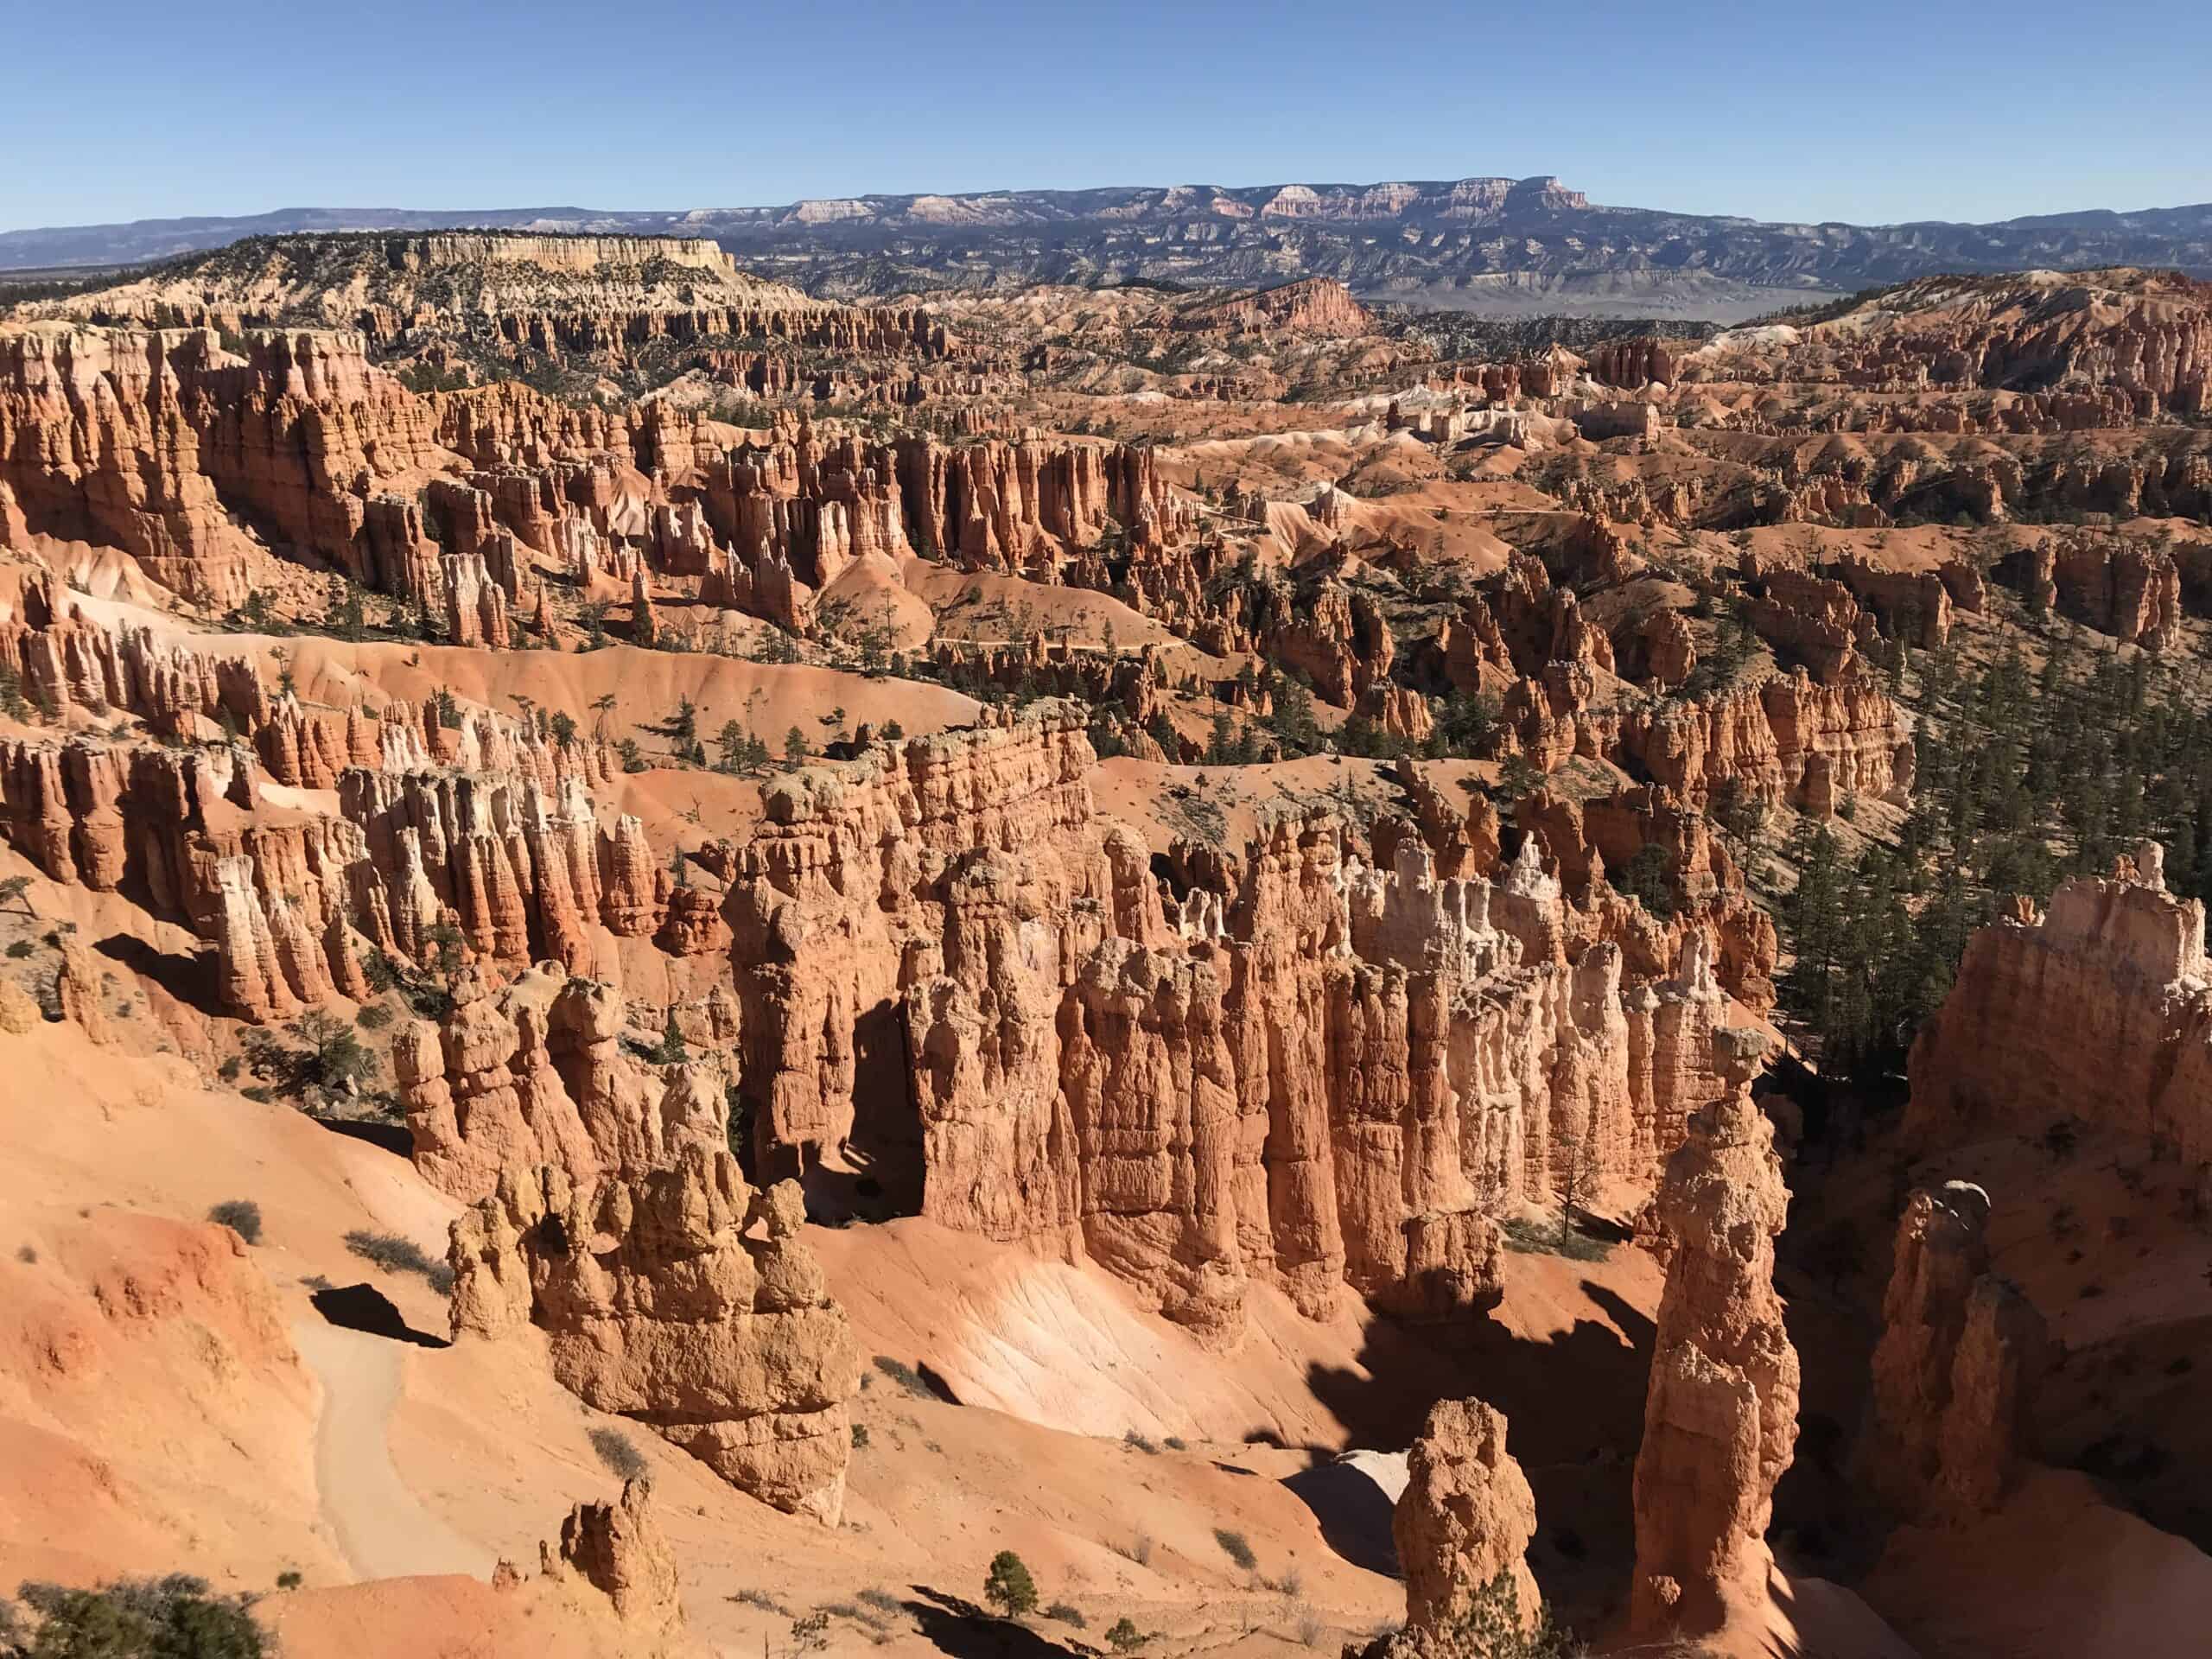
[(382, 1528)]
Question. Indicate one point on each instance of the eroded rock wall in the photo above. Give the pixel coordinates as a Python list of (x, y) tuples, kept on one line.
[(2098, 1008)]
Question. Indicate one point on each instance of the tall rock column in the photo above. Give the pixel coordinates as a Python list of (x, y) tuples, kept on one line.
[(1720, 1419), (1466, 1517), (1954, 1367)]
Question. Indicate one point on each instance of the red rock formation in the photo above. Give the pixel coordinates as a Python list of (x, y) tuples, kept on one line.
[(1914, 606), (2132, 593), (659, 1304), (1337, 1076), (619, 1550), (1786, 739), (1721, 1416), (1955, 1366), (534, 1074), (1807, 620), (2097, 1010), (1464, 1518), (838, 905), (296, 438), (2147, 333)]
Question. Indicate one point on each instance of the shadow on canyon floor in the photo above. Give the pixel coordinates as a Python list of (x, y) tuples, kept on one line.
[(1573, 1404), (185, 978), (368, 1310), (968, 1632)]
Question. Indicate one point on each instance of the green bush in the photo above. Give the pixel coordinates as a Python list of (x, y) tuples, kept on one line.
[(1237, 1547), (396, 1254), (905, 1377), (1492, 1628), (1125, 1637), (174, 1618), (241, 1216), (1067, 1613), (623, 1459)]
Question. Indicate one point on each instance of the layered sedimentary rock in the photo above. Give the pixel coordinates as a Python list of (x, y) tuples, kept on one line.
[(1720, 1419), (1315, 1072), (1807, 620), (1464, 1518), (1600, 839), (848, 878), (1332, 1074), (659, 1303), (2097, 1009), (2131, 592), (1954, 1368), (2148, 332)]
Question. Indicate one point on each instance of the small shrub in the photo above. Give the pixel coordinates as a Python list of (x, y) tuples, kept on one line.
[(375, 1017), (1139, 1549), (241, 1216), (1007, 1587), (229, 1070), (1124, 1636), (291, 1580), (764, 1601), (1546, 1237), (882, 1600), (1067, 1613), (396, 1254), (1492, 1626), (1138, 1442), (1309, 1628), (28, 1254), (21, 949), (623, 1459), (1291, 1584), (1237, 1547), (905, 1377), (1175, 1443), (859, 1437)]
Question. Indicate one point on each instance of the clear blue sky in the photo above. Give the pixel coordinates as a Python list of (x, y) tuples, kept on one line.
[(1861, 110)]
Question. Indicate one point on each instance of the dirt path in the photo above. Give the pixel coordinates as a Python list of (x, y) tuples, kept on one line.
[(382, 1528)]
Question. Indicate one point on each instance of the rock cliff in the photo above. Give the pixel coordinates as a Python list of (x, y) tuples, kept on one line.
[(2097, 1009)]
